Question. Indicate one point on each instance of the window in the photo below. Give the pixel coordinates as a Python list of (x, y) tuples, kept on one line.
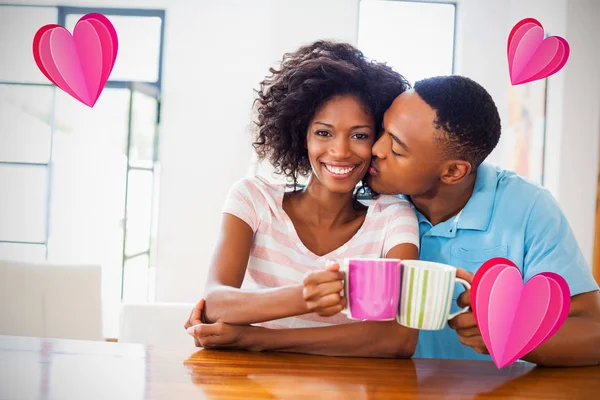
[(79, 183), (414, 37)]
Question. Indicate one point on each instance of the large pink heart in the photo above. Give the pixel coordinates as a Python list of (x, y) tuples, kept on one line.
[(530, 56), (515, 318), (79, 64)]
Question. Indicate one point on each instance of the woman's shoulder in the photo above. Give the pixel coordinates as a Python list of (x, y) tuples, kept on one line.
[(391, 206), (388, 201), (258, 191)]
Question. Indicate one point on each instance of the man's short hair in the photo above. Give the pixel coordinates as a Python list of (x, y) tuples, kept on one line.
[(467, 117)]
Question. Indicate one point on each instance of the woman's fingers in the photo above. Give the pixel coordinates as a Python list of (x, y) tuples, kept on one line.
[(314, 293), (317, 278)]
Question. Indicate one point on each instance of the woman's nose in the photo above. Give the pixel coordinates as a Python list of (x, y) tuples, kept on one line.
[(340, 148)]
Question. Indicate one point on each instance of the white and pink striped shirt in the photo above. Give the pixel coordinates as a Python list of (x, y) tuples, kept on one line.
[(279, 258)]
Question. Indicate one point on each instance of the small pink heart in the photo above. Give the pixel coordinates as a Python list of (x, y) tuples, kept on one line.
[(79, 64), (530, 56), (515, 318)]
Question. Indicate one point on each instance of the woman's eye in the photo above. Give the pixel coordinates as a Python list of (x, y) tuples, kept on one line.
[(322, 133), (361, 136)]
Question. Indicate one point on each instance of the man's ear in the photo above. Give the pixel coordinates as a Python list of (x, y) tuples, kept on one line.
[(455, 171)]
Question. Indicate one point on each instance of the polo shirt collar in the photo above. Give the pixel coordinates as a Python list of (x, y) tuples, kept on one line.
[(477, 213)]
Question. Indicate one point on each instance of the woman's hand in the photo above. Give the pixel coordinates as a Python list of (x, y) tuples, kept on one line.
[(322, 291), (195, 318), (222, 336)]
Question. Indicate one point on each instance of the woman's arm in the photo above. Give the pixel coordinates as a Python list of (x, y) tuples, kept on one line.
[(369, 339), (360, 339), (381, 339), (225, 301)]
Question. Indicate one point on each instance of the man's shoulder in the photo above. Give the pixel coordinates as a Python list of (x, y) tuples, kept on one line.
[(516, 191), (520, 201)]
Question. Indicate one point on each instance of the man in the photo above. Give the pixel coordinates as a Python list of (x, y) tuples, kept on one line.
[(432, 148)]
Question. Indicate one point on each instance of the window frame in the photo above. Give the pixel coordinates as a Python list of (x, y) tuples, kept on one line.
[(151, 88)]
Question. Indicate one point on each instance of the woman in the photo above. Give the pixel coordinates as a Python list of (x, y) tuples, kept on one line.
[(318, 116)]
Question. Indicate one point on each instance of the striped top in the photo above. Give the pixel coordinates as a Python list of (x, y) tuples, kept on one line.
[(279, 258)]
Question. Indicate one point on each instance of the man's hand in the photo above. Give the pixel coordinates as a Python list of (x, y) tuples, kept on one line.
[(221, 336), (322, 291), (464, 324)]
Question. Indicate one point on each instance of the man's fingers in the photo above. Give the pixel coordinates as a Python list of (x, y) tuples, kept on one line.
[(463, 321), (469, 332), (468, 341), (475, 342), (464, 299), (464, 274)]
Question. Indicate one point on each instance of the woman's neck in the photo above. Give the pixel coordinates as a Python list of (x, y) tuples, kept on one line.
[(322, 207)]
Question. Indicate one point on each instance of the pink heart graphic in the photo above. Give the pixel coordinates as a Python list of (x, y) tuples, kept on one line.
[(79, 64), (530, 56), (514, 318)]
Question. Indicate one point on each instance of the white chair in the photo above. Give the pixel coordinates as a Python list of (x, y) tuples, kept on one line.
[(155, 324), (50, 300)]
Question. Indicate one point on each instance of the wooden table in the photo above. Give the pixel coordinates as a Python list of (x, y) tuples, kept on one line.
[(33, 368)]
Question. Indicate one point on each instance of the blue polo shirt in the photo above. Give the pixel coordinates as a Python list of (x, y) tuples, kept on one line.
[(507, 216)]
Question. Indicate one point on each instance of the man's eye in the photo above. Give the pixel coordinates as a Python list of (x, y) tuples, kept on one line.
[(397, 154)]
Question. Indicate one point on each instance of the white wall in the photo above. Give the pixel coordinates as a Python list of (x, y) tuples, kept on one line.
[(216, 52), (573, 103), (578, 163), (210, 110)]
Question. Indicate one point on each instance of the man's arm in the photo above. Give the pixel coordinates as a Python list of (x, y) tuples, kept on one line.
[(550, 246), (577, 342)]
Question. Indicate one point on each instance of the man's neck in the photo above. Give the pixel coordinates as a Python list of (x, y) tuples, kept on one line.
[(445, 202)]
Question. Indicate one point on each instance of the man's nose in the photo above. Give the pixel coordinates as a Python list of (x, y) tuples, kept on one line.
[(378, 149)]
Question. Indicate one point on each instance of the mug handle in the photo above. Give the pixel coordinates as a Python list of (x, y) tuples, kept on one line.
[(467, 286), (346, 293)]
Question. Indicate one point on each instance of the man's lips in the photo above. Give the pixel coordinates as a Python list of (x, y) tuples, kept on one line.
[(373, 169)]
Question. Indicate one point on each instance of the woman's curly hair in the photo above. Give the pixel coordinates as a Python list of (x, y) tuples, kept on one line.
[(289, 98)]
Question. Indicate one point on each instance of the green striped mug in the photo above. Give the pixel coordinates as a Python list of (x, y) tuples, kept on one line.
[(426, 294)]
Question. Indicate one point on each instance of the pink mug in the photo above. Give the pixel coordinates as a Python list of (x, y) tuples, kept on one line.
[(372, 288)]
